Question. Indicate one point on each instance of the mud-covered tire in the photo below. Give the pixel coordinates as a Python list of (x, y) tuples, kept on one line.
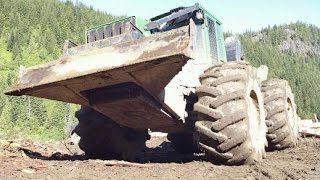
[(281, 114), (183, 142), (103, 138), (231, 118)]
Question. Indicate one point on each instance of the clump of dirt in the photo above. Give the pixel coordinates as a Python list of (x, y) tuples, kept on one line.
[(63, 160)]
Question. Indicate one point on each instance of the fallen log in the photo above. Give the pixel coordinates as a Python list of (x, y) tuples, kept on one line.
[(310, 134), (309, 128)]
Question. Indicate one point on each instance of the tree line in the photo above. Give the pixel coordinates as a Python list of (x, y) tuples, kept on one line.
[(300, 68), (34, 31)]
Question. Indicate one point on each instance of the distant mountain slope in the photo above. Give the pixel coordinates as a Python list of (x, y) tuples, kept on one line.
[(33, 32), (291, 52)]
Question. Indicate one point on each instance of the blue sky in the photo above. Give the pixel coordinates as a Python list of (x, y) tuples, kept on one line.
[(236, 15)]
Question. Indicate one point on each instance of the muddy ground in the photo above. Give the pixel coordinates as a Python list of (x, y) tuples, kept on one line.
[(62, 160)]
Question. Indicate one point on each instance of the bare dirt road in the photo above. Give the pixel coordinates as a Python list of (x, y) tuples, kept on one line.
[(54, 160)]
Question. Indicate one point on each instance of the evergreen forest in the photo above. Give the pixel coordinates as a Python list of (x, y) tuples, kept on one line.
[(34, 31)]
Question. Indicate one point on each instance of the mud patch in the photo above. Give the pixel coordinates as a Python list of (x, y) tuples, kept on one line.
[(52, 160)]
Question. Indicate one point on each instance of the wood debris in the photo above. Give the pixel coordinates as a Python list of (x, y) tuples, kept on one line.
[(28, 171), (309, 128), (122, 163)]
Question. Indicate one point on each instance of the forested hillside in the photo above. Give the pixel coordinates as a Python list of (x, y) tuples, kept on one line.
[(33, 32), (291, 52)]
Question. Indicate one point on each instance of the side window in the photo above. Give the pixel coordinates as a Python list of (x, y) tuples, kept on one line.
[(220, 43), (212, 40)]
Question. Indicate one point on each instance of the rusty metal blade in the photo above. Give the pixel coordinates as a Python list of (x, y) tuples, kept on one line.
[(150, 62)]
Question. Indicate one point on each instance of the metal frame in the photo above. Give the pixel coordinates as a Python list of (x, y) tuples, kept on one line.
[(174, 15)]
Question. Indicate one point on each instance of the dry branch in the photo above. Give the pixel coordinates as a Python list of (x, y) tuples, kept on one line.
[(123, 163)]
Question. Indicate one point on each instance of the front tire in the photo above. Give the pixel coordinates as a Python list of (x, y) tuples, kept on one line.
[(231, 119)]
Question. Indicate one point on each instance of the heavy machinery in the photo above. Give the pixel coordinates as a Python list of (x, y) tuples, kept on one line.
[(174, 74)]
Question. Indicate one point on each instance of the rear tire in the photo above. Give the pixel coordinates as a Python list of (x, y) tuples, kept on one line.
[(103, 138), (282, 118), (231, 118)]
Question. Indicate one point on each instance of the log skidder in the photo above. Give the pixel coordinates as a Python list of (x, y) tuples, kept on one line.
[(231, 117), (137, 75), (281, 117)]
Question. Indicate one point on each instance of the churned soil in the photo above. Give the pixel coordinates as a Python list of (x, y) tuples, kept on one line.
[(22, 159)]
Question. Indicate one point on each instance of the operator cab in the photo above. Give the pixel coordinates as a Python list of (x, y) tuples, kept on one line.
[(209, 35)]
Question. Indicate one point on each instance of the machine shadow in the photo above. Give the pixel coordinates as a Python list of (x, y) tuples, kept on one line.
[(164, 153)]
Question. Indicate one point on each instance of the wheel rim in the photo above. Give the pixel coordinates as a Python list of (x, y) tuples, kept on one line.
[(255, 129), (253, 115), (291, 117)]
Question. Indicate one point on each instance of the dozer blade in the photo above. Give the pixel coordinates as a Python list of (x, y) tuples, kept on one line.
[(90, 77), (150, 62)]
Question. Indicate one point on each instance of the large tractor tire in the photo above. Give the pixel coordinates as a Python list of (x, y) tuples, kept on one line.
[(282, 118), (103, 138), (231, 118)]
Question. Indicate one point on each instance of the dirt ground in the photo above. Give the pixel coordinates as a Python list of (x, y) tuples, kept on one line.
[(61, 160)]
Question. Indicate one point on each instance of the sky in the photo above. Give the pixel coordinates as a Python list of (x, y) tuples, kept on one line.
[(236, 15)]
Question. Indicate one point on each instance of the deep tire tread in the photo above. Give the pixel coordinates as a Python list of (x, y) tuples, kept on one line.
[(228, 120), (208, 91), (274, 97), (226, 98), (227, 79), (224, 132), (280, 133), (207, 111)]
